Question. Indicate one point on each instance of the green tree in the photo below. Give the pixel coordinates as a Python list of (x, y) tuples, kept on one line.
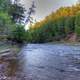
[(5, 5), (77, 24), (18, 34), (16, 11), (5, 23), (70, 24)]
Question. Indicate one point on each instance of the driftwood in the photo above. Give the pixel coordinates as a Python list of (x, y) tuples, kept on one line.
[(5, 51), (7, 54)]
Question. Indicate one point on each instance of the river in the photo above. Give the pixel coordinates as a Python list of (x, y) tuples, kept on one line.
[(43, 62)]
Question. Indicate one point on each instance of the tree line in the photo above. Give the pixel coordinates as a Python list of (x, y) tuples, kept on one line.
[(57, 26)]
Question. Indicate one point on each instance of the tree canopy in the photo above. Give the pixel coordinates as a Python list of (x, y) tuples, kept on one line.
[(57, 26)]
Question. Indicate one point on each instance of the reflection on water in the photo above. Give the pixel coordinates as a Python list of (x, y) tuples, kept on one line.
[(12, 67), (43, 62), (50, 62)]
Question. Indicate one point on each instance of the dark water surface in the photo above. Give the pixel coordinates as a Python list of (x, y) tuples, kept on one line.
[(43, 62)]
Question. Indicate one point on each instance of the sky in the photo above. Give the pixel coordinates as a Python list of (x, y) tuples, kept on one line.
[(45, 7)]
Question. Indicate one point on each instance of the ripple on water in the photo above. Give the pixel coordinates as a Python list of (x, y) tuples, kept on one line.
[(42, 62)]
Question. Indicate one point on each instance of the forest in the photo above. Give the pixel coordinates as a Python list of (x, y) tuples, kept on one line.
[(11, 19), (59, 25)]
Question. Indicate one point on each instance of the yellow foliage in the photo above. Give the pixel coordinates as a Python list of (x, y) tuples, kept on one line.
[(63, 11)]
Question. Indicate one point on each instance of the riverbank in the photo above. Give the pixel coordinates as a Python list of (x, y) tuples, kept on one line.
[(65, 42), (9, 49), (8, 60)]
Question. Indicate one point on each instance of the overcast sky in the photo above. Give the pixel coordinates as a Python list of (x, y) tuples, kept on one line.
[(45, 7)]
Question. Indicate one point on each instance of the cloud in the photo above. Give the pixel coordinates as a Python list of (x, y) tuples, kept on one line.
[(45, 7)]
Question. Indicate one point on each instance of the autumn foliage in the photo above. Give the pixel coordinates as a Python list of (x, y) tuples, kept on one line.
[(58, 25)]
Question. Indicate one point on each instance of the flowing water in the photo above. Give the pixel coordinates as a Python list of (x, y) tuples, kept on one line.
[(43, 62)]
